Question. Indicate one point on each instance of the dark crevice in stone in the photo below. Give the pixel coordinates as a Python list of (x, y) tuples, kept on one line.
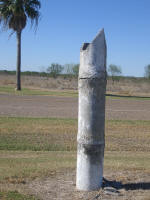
[(85, 45), (95, 78)]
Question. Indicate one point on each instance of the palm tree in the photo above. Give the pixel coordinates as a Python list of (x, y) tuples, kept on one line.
[(14, 15)]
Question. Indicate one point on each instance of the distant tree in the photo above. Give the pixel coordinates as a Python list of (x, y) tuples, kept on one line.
[(75, 69), (68, 68), (72, 69), (147, 71), (43, 71), (14, 15), (114, 71), (55, 69)]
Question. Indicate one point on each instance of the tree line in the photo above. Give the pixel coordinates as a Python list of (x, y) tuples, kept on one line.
[(115, 71), (71, 70), (54, 70)]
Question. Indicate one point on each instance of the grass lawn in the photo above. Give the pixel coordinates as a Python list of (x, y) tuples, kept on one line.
[(37, 134), (17, 166), (26, 91), (50, 134), (61, 93), (43, 147)]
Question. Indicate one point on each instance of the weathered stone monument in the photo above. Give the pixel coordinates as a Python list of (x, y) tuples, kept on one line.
[(91, 114)]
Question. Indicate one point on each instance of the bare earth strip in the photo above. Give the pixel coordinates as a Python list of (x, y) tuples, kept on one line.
[(63, 187), (66, 107)]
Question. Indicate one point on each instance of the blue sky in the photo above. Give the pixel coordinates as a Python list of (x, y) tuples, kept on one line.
[(66, 24)]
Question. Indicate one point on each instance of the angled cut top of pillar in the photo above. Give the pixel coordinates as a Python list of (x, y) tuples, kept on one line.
[(93, 58)]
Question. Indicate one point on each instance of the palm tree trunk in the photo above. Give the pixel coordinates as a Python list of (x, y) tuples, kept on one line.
[(18, 71)]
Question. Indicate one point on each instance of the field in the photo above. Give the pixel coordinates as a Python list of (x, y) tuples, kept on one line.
[(38, 129), (125, 86)]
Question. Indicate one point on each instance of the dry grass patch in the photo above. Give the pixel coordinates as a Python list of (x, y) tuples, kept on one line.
[(128, 135), (125, 86), (50, 134), (37, 134), (126, 157), (16, 167), (127, 160)]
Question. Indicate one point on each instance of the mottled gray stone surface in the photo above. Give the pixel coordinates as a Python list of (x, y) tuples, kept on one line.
[(91, 115)]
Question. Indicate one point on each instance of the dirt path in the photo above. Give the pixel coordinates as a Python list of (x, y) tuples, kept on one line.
[(66, 107)]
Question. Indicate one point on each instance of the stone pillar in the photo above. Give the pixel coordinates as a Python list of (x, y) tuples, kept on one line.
[(91, 114)]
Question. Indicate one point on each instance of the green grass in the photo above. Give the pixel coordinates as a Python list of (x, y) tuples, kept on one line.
[(26, 91), (127, 160), (63, 93), (53, 134), (14, 195), (33, 148), (18, 167), (37, 134)]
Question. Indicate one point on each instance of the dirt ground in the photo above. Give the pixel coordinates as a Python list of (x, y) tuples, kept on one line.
[(117, 185), (66, 107), (63, 187)]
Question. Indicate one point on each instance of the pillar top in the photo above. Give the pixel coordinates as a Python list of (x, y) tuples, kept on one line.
[(93, 57)]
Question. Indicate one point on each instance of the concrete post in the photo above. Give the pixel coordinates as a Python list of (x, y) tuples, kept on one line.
[(91, 114)]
